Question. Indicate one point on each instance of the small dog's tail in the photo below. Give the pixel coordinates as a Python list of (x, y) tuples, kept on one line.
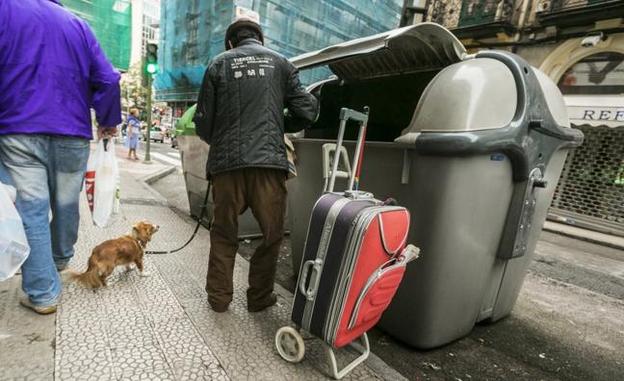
[(89, 278)]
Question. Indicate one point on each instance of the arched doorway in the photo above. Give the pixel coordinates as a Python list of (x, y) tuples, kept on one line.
[(590, 192)]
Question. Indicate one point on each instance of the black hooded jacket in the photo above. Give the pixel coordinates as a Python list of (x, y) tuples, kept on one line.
[(240, 109)]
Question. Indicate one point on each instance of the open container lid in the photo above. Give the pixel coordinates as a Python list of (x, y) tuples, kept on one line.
[(421, 47)]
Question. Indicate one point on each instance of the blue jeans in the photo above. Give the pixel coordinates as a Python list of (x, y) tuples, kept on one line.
[(48, 172)]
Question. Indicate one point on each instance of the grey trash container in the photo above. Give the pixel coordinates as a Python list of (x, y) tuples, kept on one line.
[(476, 165), (495, 134)]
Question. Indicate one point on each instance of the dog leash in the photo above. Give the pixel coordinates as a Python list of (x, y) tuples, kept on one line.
[(199, 223)]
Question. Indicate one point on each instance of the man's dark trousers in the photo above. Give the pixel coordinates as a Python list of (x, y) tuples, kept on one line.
[(264, 192)]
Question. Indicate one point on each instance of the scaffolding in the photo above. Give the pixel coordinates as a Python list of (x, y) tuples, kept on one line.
[(111, 21), (192, 33)]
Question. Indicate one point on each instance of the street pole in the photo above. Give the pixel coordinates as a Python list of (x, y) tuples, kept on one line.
[(147, 159)]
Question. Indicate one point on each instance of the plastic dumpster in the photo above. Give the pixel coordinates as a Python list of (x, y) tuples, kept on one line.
[(194, 155), (472, 145)]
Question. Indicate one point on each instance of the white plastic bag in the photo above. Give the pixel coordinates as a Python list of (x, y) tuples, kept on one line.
[(14, 247), (102, 183)]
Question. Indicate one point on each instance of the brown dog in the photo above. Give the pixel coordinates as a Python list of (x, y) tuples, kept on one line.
[(116, 252)]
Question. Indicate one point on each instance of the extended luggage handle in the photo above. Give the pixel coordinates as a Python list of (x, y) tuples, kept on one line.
[(316, 265), (329, 149), (362, 119)]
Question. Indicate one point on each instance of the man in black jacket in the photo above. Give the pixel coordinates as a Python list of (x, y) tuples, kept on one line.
[(240, 113)]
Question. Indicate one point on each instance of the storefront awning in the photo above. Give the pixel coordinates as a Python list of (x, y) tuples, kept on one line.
[(596, 110)]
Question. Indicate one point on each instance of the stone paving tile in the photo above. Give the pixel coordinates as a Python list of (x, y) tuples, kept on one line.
[(134, 329), (80, 363), (26, 339), (139, 358), (161, 374)]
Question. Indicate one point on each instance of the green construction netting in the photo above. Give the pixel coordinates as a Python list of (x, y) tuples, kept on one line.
[(111, 21), (192, 33)]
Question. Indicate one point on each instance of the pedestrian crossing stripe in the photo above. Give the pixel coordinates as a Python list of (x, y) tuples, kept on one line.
[(166, 159)]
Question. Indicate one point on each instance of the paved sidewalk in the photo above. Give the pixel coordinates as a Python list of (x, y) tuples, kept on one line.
[(585, 234), (161, 327)]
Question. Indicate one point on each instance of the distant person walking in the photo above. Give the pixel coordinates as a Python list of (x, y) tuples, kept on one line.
[(240, 113), (52, 70), (134, 132)]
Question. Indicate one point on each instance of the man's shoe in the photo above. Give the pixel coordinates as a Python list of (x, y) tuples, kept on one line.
[(219, 307), (261, 307), (41, 310)]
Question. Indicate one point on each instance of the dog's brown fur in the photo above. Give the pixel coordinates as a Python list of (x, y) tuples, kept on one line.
[(116, 252)]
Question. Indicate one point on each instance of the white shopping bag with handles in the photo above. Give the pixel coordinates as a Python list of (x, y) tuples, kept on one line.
[(102, 183), (14, 247)]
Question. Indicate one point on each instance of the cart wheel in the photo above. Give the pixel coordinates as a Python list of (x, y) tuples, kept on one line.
[(290, 344)]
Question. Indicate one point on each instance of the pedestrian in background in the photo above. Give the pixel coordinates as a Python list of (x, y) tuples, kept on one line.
[(52, 72), (134, 132), (240, 113)]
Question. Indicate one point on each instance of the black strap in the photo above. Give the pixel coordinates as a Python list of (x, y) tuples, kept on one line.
[(199, 222)]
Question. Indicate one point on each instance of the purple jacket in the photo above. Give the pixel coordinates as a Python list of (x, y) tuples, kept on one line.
[(52, 71)]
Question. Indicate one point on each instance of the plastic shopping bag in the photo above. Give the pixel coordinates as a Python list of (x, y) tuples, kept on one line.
[(102, 183), (14, 247)]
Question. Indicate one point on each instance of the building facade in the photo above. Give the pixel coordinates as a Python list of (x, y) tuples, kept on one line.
[(145, 26), (111, 21), (192, 32), (580, 45)]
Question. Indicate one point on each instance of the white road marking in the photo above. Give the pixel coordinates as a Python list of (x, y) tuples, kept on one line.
[(174, 154), (166, 159)]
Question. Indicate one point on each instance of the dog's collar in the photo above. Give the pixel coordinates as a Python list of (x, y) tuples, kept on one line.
[(140, 242)]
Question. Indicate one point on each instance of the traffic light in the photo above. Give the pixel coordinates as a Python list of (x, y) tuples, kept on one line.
[(151, 59)]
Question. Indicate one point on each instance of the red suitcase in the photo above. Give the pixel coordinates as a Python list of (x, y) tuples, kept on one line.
[(353, 263)]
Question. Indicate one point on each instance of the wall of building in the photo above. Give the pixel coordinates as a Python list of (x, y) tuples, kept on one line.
[(111, 21), (192, 32), (536, 54), (145, 26), (137, 31)]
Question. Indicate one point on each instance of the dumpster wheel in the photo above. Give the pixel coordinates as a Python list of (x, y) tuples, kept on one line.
[(289, 344)]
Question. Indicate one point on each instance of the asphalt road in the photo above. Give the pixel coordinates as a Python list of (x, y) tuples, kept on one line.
[(567, 323)]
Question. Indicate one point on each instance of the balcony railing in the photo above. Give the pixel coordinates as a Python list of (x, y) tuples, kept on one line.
[(577, 12), (484, 12), (476, 18)]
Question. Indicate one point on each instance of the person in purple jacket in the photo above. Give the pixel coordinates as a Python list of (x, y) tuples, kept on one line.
[(52, 71)]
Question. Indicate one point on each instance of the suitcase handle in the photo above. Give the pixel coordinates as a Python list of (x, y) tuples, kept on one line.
[(362, 119), (410, 253), (316, 266)]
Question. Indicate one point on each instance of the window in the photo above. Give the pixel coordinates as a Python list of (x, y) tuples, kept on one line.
[(601, 73)]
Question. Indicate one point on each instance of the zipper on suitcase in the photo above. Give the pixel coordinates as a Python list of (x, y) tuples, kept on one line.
[(369, 283), (354, 245), (350, 242)]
